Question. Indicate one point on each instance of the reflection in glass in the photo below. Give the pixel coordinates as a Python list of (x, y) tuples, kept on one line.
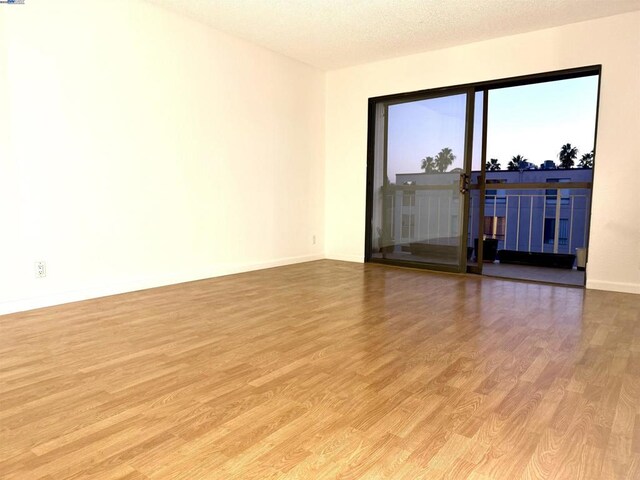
[(417, 202)]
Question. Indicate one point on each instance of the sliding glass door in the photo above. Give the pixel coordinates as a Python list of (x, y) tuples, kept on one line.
[(418, 180), (489, 178)]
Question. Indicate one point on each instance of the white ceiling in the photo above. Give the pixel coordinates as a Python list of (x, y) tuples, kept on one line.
[(336, 33)]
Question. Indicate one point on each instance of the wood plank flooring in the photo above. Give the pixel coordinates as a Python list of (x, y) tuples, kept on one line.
[(325, 370)]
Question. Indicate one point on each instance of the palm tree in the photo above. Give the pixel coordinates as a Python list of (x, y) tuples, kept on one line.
[(493, 165), (444, 159), (517, 163), (567, 156), (428, 165), (587, 160)]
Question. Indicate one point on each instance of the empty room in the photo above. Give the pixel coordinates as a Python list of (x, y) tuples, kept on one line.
[(317, 239)]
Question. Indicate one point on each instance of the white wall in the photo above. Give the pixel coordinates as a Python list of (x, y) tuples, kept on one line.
[(614, 42), (140, 148)]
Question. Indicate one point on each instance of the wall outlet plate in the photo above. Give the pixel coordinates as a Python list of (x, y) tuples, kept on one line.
[(41, 269)]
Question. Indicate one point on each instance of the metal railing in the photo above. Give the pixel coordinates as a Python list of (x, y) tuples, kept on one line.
[(534, 222), (550, 220)]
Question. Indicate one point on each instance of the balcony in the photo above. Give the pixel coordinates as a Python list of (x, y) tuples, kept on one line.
[(534, 230)]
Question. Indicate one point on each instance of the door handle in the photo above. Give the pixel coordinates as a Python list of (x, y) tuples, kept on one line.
[(464, 183)]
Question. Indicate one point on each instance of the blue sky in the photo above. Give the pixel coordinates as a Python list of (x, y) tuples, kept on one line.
[(531, 120)]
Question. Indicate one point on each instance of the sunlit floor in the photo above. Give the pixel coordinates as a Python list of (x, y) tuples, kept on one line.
[(325, 370)]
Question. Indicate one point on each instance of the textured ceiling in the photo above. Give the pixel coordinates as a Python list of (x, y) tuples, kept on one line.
[(336, 33)]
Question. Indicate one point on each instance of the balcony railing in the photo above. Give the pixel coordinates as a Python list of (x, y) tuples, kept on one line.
[(555, 221), (522, 217)]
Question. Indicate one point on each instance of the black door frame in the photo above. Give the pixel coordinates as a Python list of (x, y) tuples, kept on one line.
[(468, 147), (472, 89)]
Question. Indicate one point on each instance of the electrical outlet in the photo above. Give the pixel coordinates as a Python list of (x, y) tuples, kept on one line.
[(41, 269), (314, 239)]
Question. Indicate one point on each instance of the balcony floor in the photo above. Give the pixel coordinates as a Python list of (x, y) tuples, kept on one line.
[(561, 276), (539, 274)]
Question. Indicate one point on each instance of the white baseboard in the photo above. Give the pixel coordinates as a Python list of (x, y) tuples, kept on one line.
[(614, 286), (97, 291), (346, 258)]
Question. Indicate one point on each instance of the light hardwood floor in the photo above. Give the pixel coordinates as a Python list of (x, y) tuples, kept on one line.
[(325, 370)]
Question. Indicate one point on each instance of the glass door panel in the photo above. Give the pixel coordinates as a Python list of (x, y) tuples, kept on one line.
[(420, 177)]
